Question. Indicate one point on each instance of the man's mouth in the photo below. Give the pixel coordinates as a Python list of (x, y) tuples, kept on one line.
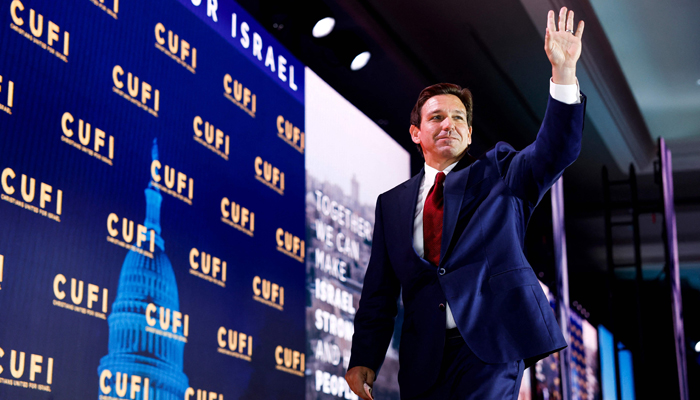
[(446, 136)]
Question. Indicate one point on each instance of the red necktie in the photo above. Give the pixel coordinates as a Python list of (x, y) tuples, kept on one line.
[(432, 220)]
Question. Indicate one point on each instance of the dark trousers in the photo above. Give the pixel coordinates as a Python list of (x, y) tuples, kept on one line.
[(464, 377)]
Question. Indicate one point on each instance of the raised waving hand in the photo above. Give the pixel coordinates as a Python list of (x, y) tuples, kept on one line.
[(563, 46)]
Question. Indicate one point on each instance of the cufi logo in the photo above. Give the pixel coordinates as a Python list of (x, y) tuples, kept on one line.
[(173, 180), (164, 319), (234, 343), (44, 35), (212, 138), (78, 292), (177, 49), (143, 234), (36, 366), (290, 245), (123, 384), (148, 101), (271, 176), (92, 143), (240, 95), (268, 293), (290, 134), (233, 214), (28, 190), (208, 267), (290, 361)]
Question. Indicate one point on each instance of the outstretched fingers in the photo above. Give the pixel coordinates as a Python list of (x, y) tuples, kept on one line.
[(551, 25), (570, 21), (579, 30), (562, 19)]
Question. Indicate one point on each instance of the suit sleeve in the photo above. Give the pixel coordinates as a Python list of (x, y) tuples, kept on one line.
[(374, 321), (532, 171)]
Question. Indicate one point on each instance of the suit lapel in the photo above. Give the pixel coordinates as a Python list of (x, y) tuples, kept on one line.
[(454, 195), (408, 200)]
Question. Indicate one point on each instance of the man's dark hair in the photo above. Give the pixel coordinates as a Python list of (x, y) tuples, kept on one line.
[(435, 90)]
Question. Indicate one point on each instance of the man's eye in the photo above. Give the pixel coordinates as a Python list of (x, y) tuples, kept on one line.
[(436, 117)]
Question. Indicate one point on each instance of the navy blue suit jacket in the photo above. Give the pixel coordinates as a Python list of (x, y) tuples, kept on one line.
[(498, 305)]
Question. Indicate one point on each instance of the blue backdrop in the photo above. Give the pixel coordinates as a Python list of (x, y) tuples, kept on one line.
[(93, 184)]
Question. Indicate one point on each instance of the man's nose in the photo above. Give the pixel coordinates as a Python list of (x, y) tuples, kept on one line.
[(448, 124)]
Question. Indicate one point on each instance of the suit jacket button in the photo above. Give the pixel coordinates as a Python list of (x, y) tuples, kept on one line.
[(441, 271), (441, 307)]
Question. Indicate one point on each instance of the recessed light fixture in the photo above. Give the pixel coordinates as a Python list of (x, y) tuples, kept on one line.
[(360, 61), (323, 27), (697, 347)]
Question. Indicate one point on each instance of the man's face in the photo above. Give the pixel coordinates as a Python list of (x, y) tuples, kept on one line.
[(444, 133)]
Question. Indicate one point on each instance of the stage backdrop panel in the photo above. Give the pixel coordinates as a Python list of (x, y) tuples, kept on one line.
[(350, 161), (152, 203)]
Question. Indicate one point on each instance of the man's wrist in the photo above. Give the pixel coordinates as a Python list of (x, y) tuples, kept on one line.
[(564, 75)]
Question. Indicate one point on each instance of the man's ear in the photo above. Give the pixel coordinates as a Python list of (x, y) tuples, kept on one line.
[(469, 137), (415, 132)]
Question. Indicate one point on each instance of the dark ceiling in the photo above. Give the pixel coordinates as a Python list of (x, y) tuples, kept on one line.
[(495, 48)]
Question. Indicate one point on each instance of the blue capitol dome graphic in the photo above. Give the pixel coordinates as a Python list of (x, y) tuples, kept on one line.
[(151, 353)]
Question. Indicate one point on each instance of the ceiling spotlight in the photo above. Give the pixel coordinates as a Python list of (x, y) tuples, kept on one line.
[(323, 27), (360, 60), (697, 347)]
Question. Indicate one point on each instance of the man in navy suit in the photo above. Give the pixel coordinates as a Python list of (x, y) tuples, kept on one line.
[(452, 239)]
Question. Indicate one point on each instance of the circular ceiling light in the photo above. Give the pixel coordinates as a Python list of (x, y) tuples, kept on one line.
[(360, 61), (323, 27), (697, 347)]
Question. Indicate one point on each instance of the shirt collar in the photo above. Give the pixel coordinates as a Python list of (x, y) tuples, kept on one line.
[(431, 172)]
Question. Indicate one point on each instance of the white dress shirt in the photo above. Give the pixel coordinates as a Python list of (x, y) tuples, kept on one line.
[(568, 94)]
